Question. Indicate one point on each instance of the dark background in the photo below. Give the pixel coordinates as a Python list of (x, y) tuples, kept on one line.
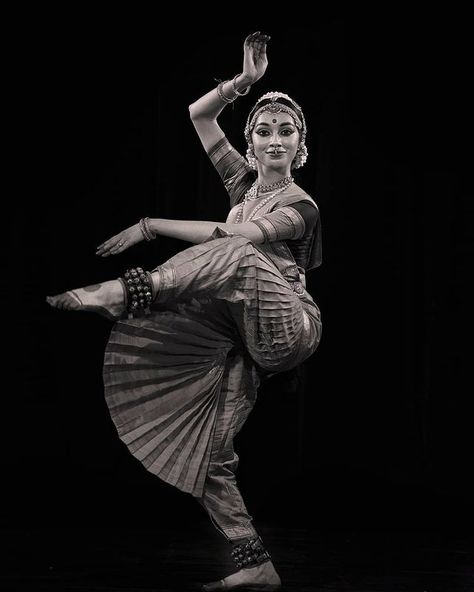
[(377, 430)]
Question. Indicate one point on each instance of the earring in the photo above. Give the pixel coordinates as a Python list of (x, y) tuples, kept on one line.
[(301, 157), (251, 157)]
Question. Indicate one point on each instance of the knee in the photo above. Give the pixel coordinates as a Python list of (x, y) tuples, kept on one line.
[(239, 240), (235, 238), (271, 364)]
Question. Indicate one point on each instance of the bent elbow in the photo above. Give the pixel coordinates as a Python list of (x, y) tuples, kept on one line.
[(198, 112), (195, 112), (191, 110)]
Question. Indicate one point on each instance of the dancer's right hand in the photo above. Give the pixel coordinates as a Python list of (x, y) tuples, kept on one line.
[(121, 241), (255, 56)]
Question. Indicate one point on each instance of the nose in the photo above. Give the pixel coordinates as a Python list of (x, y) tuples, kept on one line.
[(275, 140)]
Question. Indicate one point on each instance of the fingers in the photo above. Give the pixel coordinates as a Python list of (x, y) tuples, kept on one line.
[(108, 243), (249, 39), (256, 39), (260, 43), (261, 47), (113, 246), (118, 248)]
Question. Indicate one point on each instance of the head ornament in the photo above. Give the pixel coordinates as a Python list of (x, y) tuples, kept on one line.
[(277, 102)]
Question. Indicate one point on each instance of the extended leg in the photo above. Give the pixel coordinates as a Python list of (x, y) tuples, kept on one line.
[(268, 314)]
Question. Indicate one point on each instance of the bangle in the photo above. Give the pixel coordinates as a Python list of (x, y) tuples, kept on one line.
[(234, 87), (148, 234), (221, 94)]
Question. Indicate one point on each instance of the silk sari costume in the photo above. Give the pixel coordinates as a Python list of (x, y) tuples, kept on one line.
[(180, 382)]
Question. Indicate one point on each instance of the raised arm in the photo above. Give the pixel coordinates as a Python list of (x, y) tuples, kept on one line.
[(204, 111)]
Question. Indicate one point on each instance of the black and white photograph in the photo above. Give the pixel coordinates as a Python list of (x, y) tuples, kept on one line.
[(239, 357)]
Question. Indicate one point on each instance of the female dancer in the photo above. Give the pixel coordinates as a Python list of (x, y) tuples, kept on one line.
[(194, 338)]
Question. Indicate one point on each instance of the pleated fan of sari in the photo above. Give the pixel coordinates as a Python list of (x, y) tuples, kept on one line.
[(162, 378)]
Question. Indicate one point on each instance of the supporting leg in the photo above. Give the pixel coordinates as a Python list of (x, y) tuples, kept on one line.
[(222, 498)]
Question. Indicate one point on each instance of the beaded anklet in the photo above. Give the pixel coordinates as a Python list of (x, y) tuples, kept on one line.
[(138, 289)]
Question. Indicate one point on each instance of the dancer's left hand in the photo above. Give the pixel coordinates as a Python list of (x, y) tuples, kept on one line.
[(255, 56), (121, 241)]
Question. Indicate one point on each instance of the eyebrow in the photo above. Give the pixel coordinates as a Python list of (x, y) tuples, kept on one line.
[(282, 123)]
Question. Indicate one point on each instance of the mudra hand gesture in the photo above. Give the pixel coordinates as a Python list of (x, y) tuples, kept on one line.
[(255, 56), (121, 241)]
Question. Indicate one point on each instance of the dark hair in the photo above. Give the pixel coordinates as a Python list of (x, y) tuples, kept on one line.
[(259, 104)]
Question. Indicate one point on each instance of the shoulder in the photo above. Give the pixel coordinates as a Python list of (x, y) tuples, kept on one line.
[(222, 145), (294, 195), (228, 160), (234, 170), (223, 149), (302, 204)]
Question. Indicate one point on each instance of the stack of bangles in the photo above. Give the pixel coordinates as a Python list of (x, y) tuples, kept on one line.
[(226, 99), (147, 232)]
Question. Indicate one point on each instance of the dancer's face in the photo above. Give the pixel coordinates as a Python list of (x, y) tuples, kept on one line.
[(275, 139)]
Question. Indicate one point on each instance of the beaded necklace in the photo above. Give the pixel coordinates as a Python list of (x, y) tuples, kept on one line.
[(256, 189), (240, 213)]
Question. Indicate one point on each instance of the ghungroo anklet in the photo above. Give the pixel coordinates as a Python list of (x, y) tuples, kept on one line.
[(250, 553), (139, 291)]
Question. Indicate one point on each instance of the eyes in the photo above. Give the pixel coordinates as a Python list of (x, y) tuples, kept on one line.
[(286, 131)]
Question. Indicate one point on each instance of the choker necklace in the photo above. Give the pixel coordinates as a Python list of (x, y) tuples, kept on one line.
[(256, 189), (240, 214)]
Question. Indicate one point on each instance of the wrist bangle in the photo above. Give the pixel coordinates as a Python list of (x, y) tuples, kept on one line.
[(148, 234), (221, 94), (234, 87)]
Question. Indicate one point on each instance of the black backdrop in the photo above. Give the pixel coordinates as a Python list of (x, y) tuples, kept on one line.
[(377, 429)]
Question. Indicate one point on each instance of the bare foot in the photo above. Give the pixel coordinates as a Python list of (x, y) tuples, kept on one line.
[(107, 299), (261, 577)]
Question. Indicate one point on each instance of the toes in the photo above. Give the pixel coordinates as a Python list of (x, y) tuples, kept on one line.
[(64, 301), (53, 301)]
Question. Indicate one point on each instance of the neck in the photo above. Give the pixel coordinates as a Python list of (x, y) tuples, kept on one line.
[(267, 176)]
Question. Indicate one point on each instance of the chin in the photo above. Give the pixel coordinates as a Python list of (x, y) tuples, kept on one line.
[(277, 163), (279, 166)]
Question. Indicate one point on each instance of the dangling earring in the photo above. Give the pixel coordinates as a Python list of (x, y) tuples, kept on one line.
[(251, 157), (301, 157)]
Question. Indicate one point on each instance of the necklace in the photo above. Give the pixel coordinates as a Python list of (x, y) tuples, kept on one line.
[(240, 214), (256, 189)]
